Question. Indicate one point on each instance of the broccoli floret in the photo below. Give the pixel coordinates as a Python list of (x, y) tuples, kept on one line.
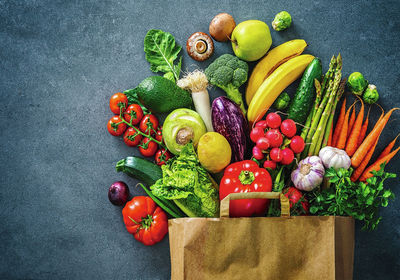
[(228, 73)]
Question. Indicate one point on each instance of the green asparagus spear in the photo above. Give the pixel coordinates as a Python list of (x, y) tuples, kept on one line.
[(330, 121), (317, 138)]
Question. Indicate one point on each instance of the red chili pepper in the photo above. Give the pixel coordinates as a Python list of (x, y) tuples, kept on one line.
[(145, 220), (245, 176)]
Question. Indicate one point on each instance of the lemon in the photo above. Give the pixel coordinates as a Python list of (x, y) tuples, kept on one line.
[(214, 152)]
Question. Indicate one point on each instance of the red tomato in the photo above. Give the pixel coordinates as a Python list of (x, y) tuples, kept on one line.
[(132, 138), (134, 112), (162, 156), (115, 126), (158, 135), (245, 176), (298, 203), (145, 220), (117, 101), (148, 148), (149, 124)]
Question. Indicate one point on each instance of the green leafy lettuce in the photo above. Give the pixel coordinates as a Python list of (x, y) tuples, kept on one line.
[(357, 199), (189, 185), (161, 52)]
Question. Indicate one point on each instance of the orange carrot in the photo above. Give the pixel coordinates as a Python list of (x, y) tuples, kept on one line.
[(351, 145), (351, 121), (339, 124), (363, 129), (370, 139), (360, 169), (330, 136), (377, 165), (341, 143), (388, 148)]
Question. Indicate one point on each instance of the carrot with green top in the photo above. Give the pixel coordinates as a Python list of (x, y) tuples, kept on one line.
[(341, 143), (360, 169), (330, 136), (388, 148), (351, 145), (351, 121), (363, 129), (339, 124), (370, 139), (376, 166)]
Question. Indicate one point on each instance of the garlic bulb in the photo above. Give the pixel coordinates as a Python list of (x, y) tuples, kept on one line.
[(334, 157), (309, 174)]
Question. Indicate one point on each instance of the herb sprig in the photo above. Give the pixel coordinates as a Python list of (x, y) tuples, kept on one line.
[(357, 199)]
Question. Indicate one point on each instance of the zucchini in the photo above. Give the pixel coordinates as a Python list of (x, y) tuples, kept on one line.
[(141, 169), (304, 98), (148, 173)]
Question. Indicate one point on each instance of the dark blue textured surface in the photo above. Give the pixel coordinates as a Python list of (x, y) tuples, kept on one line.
[(60, 61)]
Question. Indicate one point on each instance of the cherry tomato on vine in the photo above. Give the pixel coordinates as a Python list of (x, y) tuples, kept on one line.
[(132, 138), (134, 112), (115, 126), (162, 156), (147, 147), (118, 100), (158, 135), (148, 124)]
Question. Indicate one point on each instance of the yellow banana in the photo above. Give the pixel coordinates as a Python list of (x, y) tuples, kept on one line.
[(270, 62), (272, 87)]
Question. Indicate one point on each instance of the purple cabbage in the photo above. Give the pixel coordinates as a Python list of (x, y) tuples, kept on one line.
[(228, 120)]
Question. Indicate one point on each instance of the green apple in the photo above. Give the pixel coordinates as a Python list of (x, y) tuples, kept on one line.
[(251, 40)]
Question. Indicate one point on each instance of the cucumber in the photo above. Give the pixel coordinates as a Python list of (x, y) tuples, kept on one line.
[(141, 169), (304, 98), (161, 95)]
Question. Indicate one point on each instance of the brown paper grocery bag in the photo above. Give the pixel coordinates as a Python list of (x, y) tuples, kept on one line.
[(304, 247)]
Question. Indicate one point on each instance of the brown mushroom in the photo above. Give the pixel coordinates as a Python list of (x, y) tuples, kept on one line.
[(221, 27), (200, 46)]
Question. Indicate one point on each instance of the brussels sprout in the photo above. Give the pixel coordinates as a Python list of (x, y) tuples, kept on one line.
[(282, 101), (356, 83), (282, 21), (371, 95)]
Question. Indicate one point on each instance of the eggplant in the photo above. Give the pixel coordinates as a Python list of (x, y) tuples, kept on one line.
[(228, 120)]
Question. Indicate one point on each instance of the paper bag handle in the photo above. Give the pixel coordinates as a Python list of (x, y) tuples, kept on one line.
[(285, 207)]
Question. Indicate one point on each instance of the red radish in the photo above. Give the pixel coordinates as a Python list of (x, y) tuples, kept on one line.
[(269, 164), (274, 137), (288, 128), (262, 124), (273, 120), (287, 156), (257, 153), (276, 154), (297, 144), (256, 133), (298, 203), (262, 143)]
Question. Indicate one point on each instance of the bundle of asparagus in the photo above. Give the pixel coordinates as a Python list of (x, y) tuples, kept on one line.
[(318, 126)]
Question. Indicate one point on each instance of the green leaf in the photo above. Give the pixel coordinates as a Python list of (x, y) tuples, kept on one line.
[(387, 193), (161, 52), (133, 98), (313, 209)]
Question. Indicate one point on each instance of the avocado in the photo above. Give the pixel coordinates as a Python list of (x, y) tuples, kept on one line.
[(161, 95)]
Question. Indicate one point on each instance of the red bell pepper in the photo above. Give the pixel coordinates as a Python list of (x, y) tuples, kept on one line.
[(145, 220), (245, 176)]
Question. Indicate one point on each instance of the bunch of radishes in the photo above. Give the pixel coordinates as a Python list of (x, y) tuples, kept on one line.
[(276, 141)]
